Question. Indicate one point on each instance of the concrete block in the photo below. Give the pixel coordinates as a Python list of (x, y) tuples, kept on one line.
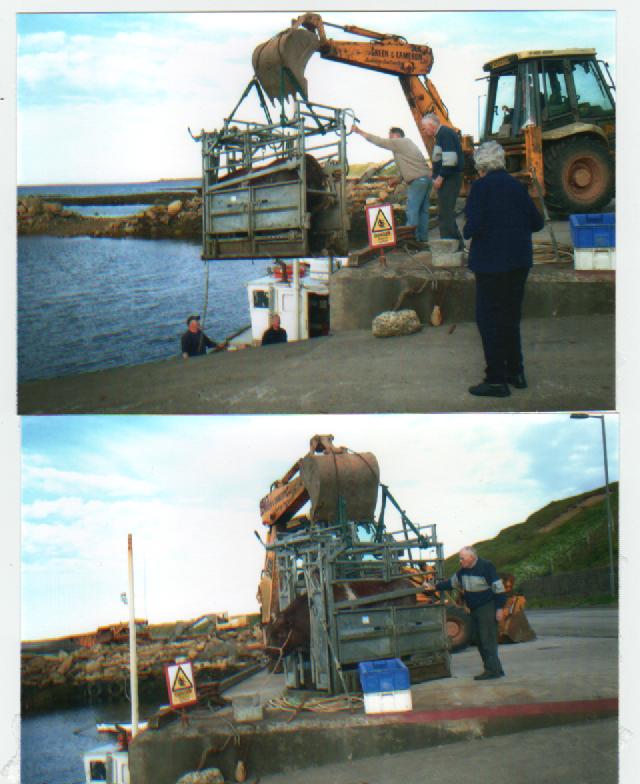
[(447, 259), (247, 707), (443, 246)]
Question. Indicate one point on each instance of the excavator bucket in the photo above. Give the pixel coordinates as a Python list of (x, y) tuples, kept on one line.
[(279, 63), (515, 625), (353, 477)]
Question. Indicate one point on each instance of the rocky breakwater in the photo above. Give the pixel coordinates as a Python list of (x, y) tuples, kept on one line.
[(181, 218), (101, 673)]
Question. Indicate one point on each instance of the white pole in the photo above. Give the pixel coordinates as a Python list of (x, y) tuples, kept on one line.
[(296, 294), (133, 656)]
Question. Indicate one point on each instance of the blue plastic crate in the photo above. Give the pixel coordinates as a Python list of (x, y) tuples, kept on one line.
[(383, 676), (593, 231)]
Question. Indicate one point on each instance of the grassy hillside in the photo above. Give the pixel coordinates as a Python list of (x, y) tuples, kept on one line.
[(358, 169), (564, 536)]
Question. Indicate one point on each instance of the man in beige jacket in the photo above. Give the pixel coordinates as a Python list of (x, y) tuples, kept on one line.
[(412, 167)]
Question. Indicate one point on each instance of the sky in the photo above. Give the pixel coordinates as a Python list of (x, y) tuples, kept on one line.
[(109, 97), (188, 490)]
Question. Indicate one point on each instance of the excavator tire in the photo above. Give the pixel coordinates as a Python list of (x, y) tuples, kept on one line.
[(578, 176), (458, 628)]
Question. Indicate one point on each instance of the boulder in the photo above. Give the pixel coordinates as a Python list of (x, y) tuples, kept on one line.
[(215, 648), (206, 776), (174, 208), (394, 323)]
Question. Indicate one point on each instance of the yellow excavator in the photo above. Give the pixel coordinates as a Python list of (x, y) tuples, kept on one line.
[(342, 484), (552, 110)]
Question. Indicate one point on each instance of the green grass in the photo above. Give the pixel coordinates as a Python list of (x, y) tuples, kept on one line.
[(579, 544), (358, 169), (569, 601)]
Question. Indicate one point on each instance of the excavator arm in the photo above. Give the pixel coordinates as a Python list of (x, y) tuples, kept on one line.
[(326, 476), (383, 52)]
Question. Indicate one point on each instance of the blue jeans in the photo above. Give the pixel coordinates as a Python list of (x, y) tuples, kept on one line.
[(418, 192)]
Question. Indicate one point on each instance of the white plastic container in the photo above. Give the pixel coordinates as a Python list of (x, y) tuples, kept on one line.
[(594, 258), (387, 701)]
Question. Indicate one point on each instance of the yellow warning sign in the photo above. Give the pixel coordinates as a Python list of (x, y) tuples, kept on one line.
[(381, 225), (181, 684)]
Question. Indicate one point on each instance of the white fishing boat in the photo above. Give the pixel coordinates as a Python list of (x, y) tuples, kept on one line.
[(109, 763), (297, 290)]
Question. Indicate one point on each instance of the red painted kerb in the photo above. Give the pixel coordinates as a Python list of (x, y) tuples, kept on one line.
[(509, 711)]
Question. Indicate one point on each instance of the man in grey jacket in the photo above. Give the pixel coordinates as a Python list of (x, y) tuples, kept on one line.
[(413, 169)]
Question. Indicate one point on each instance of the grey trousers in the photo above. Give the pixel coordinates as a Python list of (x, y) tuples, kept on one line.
[(485, 629), (447, 195)]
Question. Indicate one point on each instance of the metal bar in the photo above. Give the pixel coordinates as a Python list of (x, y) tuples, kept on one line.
[(133, 655), (612, 584), (252, 176), (349, 604)]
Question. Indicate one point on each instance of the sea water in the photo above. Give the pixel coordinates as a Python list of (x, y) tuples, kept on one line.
[(52, 744), (87, 303)]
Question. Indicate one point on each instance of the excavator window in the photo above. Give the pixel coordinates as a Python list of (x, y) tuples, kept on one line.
[(591, 93), (555, 93), (503, 105)]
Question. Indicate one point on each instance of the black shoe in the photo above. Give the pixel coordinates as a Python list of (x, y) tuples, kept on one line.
[(488, 676), (485, 389), (517, 380)]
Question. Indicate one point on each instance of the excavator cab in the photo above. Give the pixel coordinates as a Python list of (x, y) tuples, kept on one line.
[(565, 94)]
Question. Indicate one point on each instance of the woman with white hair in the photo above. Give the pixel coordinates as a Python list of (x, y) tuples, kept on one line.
[(500, 218)]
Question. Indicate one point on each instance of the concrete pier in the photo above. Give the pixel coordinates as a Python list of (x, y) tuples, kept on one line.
[(579, 687), (359, 294), (570, 364)]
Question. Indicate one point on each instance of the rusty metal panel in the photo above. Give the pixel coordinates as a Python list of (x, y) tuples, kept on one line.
[(290, 49), (354, 477)]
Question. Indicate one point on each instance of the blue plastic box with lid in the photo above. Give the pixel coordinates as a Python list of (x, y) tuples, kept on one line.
[(383, 676), (593, 231)]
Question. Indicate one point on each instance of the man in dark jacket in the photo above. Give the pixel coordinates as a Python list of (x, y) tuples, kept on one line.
[(448, 166), (501, 217), (194, 342), (275, 333), (485, 597)]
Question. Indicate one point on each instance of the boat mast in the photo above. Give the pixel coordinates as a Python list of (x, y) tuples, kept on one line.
[(133, 656)]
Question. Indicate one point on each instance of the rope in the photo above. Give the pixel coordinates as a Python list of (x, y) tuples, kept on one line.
[(206, 301), (315, 704), (544, 253)]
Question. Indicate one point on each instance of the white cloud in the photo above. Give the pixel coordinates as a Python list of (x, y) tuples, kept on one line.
[(136, 92), (53, 480), (196, 482)]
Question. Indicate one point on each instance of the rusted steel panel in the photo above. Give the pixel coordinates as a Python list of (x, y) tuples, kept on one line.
[(354, 477), (289, 49)]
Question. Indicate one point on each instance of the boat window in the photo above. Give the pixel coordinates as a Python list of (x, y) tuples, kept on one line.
[(260, 298), (591, 94), (98, 770)]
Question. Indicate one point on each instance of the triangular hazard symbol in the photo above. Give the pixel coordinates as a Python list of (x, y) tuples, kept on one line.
[(181, 682), (381, 223)]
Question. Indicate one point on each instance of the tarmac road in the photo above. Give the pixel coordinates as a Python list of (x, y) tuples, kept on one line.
[(574, 657), (575, 622), (570, 754)]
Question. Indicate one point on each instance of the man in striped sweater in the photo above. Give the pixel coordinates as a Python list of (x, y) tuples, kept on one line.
[(485, 597), (448, 168)]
